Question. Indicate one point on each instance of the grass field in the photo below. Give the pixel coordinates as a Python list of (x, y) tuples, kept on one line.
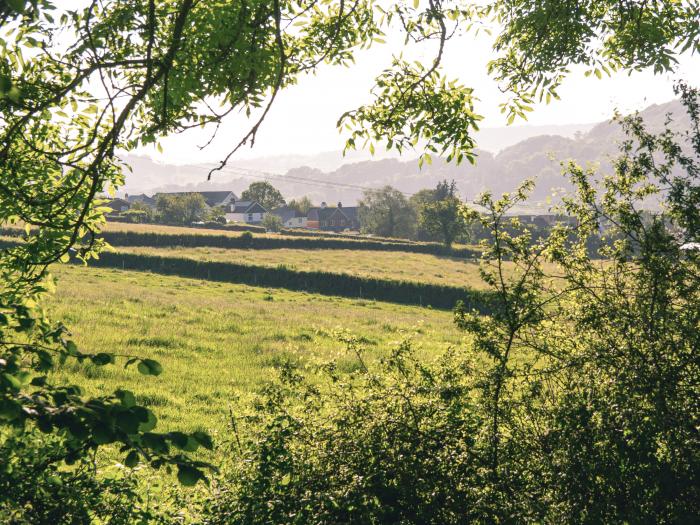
[(381, 265), (218, 343)]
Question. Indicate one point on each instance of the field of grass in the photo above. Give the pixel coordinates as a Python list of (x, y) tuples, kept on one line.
[(218, 343), (380, 265)]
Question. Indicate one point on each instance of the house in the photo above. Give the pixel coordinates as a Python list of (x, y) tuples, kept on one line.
[(245, 211), (118, 205), (142, 198), (213, 199), (333, 219), (290, 217)]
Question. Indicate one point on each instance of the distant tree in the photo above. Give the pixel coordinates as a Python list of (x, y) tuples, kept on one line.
[(272, 222), (386, 212), (302, 205), (264, 194), (418, 202), (144, 211), (444, 217), (137, 216), (216, 214), (181, 209)]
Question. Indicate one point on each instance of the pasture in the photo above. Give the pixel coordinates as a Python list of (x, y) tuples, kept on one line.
[(218, 342)]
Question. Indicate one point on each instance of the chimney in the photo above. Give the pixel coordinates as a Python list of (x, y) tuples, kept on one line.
[(340, 204), (323, 205)]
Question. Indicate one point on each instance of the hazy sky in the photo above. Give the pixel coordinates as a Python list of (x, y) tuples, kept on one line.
[(304, 116)]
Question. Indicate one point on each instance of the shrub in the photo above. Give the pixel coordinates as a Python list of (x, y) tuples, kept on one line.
[(575, 400), (34, 490)]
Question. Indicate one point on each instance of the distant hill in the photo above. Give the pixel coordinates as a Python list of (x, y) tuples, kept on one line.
[(536, 156)]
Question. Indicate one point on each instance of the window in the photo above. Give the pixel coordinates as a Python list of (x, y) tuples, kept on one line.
[(250, 217)]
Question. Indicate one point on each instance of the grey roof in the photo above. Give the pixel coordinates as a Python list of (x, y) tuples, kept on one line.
[(117, 203), (285, 213), (141, 197), (322, 214), (247, 207)]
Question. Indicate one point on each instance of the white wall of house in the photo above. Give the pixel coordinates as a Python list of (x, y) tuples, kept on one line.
[(244, 217), (296, 222)]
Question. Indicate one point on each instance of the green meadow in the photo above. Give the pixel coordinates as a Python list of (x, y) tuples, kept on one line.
[(219, 343), (402, 266)]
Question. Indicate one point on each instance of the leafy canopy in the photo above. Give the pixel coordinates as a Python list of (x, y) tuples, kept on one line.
[(264, 194)]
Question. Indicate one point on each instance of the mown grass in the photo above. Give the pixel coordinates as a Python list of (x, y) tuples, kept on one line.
[(219, 343)]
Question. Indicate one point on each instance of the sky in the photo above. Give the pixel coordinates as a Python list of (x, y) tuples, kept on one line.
[(303, 119)]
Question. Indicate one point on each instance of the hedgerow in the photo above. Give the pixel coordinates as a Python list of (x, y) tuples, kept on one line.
[(327, 283)]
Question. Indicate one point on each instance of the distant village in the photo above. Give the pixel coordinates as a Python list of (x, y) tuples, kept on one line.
[(235, 210)]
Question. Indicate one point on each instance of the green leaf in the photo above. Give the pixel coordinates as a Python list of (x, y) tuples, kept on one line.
[(17, 5), (128, 421), (127, 399), (72, 348), (188, 476), (132, 459), (149, 424), (149, 367), (102, 359), (102, 434), (204, 439)]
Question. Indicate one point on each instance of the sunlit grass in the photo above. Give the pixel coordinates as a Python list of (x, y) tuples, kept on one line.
[(378, 264), (219, 343)]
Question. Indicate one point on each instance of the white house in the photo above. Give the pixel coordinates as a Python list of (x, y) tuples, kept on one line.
[(245, 211), (290, 217)]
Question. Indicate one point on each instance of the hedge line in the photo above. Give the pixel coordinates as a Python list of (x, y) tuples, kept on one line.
[(271, 243), (297, 232), (344, 285), (205, 226), (157, 239)]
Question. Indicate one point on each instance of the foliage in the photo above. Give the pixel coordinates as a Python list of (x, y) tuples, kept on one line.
[(272, 223), (541, 41), (574, 402), (264, 194), (303, 205), (386, 212), (216, 215), (33, 490), (183, 208), (137, 216), (443, 216), (391, 444)]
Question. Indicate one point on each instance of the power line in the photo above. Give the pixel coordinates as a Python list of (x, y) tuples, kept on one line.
[(266, 175)]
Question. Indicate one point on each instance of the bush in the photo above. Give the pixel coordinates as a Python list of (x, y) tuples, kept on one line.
[(574, 401), (34, 490), (272, 223), (396, 443)]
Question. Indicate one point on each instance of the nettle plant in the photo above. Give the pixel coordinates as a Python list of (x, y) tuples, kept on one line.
[(574, 401)]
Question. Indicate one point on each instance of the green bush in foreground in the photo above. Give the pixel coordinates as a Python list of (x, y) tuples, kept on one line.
[(575, 401), (34, 490)]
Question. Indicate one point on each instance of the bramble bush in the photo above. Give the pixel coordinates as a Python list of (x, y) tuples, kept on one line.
[(575, 401)]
